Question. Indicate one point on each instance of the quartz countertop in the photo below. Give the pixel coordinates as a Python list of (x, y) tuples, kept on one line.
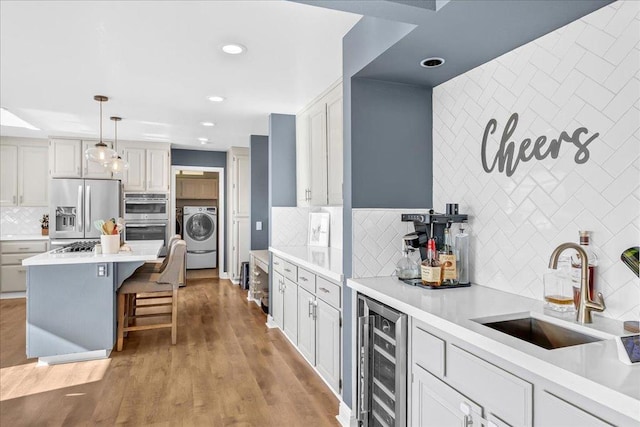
[(262, 255), (19, 237), (324, 261), (593, 369), (147, 250)]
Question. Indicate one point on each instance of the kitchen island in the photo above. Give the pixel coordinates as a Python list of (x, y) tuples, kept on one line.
[(71, 301), (451, 351)]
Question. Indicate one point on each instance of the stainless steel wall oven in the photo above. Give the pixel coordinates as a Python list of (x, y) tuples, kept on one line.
[(146, 206), (382, 364)]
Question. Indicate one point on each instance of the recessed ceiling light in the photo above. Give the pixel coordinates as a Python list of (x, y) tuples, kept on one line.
[(216, 98), (203, 140), (431, 62), (7, 118), (233, 49), (208, 124)]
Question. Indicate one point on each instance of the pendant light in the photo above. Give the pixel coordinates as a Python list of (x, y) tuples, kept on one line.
[(100, 153), (117, 165)]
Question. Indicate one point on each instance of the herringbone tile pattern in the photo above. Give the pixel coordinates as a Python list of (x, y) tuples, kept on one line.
[(584, 74)]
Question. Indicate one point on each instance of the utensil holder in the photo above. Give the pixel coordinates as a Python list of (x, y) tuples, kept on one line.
[(110, 243)]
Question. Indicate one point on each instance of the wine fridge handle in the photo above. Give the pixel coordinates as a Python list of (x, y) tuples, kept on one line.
[(363, 371)]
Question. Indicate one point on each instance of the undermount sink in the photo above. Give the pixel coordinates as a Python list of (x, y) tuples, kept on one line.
[(539, 332)]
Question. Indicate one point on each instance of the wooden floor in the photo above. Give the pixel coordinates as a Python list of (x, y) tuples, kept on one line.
[(227, 369)]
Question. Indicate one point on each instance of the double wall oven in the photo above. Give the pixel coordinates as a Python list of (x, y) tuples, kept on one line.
[(382, 365), (146, 216)]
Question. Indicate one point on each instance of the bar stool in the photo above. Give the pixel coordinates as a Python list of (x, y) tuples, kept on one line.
[(163, 285), (156, 267)]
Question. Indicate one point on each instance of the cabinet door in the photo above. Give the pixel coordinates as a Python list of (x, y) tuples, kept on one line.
[(241, 185), (157, 170), (276, 297), (241, 243), (303, 170), (65, 158), (291, 310), (33, 179), (306, 325), (434, 403), (553, 411), (328, 343), (8, 175), (318, 154), (133, 179), (92, 169), (13, 278), (334, 146)]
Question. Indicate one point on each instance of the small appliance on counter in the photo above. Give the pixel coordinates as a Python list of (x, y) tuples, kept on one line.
[(434, 227)]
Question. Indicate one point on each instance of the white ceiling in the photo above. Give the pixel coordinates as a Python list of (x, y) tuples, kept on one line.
[(158, 61)]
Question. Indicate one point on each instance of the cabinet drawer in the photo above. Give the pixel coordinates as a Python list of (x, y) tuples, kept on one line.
[(13, 278), (261, 265), (278, 264), (290, 271), (327, 291), (307, 280), (552, 410), (23, 247), (428, 351), (509, 397), (14, 259)]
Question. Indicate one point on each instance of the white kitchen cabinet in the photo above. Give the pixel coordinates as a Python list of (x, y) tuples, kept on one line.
[(8, 175), (307, 325), (276, 297), (149, 167), (239, 202), (65, 158), (327, 355), (434, 403), (13, 276), (319, 169), (91, 169), (291, 310), (554, 411), (25, 179)]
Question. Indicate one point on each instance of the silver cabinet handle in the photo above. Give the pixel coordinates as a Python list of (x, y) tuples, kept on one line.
[(325, 290), (14, 199), (22, 270), (315, 310), (310, 309), (21, 198), (78, 170), (23, 249), (304, 279), (287, 270)]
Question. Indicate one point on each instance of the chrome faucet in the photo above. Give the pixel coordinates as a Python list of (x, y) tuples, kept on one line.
[(585, 305)]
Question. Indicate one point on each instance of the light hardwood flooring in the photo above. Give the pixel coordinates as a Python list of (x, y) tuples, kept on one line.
[(227, 369)]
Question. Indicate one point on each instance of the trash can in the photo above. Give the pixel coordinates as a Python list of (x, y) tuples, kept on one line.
[(244, 275)]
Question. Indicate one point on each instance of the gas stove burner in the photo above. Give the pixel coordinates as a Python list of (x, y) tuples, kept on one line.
[(84, 246)]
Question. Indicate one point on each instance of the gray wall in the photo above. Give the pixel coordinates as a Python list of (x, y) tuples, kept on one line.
[(259, 191), (391, 145), (282, 160), (211, 159)]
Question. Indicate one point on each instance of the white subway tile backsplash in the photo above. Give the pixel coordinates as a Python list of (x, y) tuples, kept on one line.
[(290, 225), (584, 74), (21, 220)]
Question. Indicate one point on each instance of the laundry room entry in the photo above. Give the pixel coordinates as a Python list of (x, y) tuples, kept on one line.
[(197, 217)]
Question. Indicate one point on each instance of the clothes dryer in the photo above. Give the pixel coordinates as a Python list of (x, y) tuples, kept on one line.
[(201, 235)]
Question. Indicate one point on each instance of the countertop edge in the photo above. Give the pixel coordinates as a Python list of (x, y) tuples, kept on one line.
[(306, 264), (149, 252), (611, 398), (23, 238)]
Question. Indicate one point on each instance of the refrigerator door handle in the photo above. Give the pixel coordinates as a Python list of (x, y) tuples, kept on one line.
[(87, 204), (79, 210)]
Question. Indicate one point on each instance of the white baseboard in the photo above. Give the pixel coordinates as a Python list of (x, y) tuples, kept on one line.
[(12, 295), (344, 416), (223, 275), (73, 357), (271, 324)]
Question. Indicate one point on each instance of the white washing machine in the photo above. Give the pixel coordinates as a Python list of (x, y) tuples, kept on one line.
[(201, 235)]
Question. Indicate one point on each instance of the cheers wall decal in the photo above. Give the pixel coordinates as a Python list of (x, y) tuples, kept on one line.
[(506, 156)]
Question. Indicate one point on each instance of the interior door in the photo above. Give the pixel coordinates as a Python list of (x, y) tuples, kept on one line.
[(102, 202)]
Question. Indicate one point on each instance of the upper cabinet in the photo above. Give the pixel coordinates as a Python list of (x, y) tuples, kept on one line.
[(23, 173), (149, 166), (319, 169), (197, 188), (67, 160)]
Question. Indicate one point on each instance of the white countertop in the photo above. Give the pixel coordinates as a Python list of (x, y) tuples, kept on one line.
[(262, 255), (18, 237), (140, 251), (592, 370), (324, 261)]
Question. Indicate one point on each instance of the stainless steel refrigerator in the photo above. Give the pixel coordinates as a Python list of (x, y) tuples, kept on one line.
[(74, 205)]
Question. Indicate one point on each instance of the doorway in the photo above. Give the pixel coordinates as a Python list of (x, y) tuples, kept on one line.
[(200, 186)]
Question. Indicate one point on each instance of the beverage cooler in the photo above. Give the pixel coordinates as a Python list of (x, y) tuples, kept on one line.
[(382, 365)]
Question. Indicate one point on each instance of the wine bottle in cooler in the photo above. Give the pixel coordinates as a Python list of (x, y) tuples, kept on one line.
[(462, 256), (576, 267)]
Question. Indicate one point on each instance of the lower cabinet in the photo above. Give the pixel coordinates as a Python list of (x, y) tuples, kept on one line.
[(277, 299), (554, 411), (290, 298), (307, 325), (328, 343), (13, 276)]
